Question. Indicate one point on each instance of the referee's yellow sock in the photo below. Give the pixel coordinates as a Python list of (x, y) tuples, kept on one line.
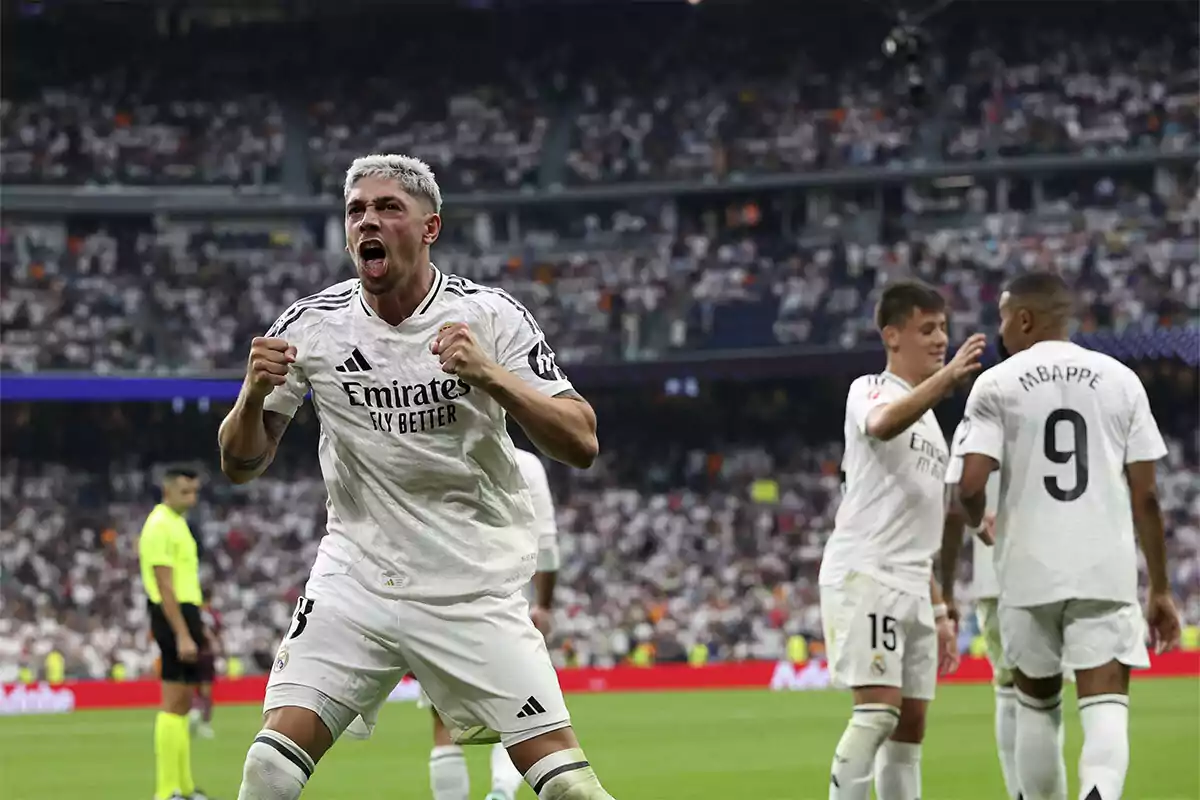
[(171, 747), (187, 786)]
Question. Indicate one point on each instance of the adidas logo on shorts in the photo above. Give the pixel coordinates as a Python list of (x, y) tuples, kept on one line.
[(355, 363), (531, 707)]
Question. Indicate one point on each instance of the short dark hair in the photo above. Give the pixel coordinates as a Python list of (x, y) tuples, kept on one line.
[(1039, 283), (901, 298), (173, 471)]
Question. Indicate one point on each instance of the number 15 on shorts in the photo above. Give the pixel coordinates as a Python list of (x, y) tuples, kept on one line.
[(883, 632)]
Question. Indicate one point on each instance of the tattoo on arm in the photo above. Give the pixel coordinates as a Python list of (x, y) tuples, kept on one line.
[(275, 424), (247, 464)]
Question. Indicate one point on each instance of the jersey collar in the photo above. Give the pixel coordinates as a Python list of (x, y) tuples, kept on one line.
[(435, 290), (891, 376)]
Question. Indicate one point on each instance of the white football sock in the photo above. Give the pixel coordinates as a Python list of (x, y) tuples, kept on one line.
[(448, 776), (505, 777), (1040, 767), (1105, 757), (565, 775), (1006, 739), (898, 771), (854, 760), (276, 768)]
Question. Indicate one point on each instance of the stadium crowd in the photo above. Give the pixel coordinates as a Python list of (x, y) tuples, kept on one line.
[(690, 529), (97, 299), (607, 102), (698, 537)]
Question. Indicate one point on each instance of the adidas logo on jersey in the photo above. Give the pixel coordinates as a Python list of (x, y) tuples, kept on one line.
[(531, 707), (355, 363)]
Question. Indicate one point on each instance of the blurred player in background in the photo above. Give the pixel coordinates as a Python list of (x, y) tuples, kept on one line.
[(200, 717), (170, 576), (886, 632), (448, 776), (447, 765), (1071, 433), (430, 538)]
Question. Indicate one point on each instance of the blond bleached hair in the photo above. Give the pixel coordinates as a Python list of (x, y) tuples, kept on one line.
[(414, 176)]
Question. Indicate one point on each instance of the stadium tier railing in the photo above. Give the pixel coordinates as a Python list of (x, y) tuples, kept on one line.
[(58, 201), (72, 696)]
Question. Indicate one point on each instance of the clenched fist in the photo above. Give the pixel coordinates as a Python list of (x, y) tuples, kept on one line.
[(460, 354), (270, 360)]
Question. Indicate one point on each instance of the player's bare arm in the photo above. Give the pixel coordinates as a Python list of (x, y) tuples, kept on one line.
[(250, 435), (887, 421), (947, 630), (952, 537), (563, 427), (1161, 614), (972, 488), (543, 599)]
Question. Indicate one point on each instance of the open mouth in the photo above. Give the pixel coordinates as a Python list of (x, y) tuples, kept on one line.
[(373, 257)]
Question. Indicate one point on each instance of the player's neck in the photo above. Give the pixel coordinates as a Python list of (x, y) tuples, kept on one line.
[(909, 375), (399, 304), (1056, 335)]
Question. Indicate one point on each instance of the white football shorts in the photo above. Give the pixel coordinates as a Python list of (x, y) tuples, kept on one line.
[(1046, 640), (879, 636), (482, 662)]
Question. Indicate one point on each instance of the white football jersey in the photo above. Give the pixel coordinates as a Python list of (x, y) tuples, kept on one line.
[(1062, 421), (426, 497), (545, 526), (889, 523), (983, 571)]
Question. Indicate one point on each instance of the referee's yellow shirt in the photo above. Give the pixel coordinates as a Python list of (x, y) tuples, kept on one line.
[(167, 541)]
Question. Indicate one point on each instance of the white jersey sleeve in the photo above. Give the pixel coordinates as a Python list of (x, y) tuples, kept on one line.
[(545, 524), (1063, 422), (982, 428), (288, 397), (521, 347), (1144, 442), (866, 394)]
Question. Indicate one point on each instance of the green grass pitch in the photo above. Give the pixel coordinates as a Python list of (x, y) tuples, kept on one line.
[(749, 745)]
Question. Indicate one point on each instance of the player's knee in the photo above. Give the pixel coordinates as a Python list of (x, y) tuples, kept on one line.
[(565, 775), (870, 726), (276, 768)]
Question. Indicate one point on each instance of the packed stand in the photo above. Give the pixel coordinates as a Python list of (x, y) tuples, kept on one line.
[(503, 101), (727, 96), (639, 284), (684, 532), (166, 114), (481, 122)]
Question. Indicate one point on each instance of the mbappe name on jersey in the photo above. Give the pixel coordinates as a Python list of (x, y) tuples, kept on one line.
[(398, 408), (1040, 374)]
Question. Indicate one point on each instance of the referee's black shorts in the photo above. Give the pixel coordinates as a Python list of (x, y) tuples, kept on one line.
[(173, 669)]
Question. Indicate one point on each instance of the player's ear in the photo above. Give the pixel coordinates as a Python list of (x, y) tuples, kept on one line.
[(891, 336), (433, 227)]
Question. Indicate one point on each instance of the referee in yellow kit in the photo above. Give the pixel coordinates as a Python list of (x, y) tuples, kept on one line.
[(170, 575)]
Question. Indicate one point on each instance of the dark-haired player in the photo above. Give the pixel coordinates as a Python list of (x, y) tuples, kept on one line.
[(170, 575), (1071, 433), (885, 628)]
